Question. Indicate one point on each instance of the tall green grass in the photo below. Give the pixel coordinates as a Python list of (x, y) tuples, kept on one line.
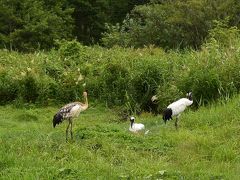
[(123, 77), (206, 146)]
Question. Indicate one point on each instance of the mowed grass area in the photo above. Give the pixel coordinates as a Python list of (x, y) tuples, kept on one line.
[(206, 146)]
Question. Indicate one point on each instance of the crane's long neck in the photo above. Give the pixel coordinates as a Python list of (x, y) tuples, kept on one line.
[(131, 124), (85, 103)]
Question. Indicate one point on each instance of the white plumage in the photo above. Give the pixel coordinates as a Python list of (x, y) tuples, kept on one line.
[(179, 106), (136, 127), (176, 108)]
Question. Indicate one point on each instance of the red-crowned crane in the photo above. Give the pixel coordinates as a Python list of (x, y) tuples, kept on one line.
[(136, 127), (176, 108), (68, 112)]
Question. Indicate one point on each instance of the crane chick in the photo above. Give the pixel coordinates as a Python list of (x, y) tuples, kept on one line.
[(68, 112), (176, 108), (136, 127)]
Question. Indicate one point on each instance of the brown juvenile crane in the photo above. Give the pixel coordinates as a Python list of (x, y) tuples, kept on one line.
[(68, 112)]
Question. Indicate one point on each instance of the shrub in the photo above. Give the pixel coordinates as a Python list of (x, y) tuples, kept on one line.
[(115, 78), (145, 84), (8, 88), (72, 52), (204, 83), (225, 36), (48, 90), (28, 88), (167, 93)]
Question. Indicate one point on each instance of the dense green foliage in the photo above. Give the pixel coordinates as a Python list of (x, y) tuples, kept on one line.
[(90, 16), (171, 24), (205, 147), (30, 25), (125, 77)]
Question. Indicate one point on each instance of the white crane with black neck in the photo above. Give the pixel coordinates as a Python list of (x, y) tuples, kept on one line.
[(69, 112)]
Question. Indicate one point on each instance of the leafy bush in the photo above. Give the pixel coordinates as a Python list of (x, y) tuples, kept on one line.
[(71, 52), (30, 25), (204, 83), (8, 88), (145, 83), (116, 79), (70, 87), (28, 88), (224, 35), (170, 24)]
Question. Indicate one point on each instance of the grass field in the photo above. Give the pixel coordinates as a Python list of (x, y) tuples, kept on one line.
[(206, 146)]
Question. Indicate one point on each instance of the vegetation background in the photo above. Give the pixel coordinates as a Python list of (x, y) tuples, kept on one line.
[(122, 52), (32, 25)]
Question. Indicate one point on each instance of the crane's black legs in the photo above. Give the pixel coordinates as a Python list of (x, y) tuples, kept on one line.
[(67, 131), (69, 124), (70, 121), (176, 123)]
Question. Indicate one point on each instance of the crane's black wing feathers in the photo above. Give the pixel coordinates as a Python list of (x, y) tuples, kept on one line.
[(57, 119), (63, 113)]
